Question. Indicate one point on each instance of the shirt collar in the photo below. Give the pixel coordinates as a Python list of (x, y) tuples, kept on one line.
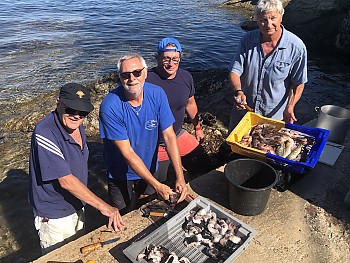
[(284, 39)]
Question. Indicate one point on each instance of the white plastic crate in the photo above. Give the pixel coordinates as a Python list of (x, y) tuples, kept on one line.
[(171, 236)]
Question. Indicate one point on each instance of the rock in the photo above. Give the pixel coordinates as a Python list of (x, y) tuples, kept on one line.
[(343, 38), (249, 25), (347, 199), (322, 24), (316, 22)]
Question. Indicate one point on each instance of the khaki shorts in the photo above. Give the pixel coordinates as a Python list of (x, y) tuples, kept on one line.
[(54, 233)]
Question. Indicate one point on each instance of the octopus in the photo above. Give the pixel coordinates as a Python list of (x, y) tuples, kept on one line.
[(218, 235), (160, 254)]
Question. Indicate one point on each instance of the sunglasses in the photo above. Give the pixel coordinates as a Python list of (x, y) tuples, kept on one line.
[(71, 111), (126, 75), (167, 60)]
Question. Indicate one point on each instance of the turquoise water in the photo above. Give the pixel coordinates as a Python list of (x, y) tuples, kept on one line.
[(44, 44)]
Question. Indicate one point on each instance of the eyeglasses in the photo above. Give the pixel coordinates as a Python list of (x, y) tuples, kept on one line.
[(71, 111), (167, 60), (126, 75)]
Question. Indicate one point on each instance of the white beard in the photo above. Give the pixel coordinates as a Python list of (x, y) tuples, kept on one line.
[(133, 94)]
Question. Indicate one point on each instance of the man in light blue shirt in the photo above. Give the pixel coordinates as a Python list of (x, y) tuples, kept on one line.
[(269, 69)]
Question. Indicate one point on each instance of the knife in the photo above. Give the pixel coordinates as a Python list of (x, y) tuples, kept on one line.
[(97, 245), (244, 104)]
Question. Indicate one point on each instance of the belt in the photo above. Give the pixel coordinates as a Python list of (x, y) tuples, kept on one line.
[(46, 219)]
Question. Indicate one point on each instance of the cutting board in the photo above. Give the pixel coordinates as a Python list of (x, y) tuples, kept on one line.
[(330, 153)]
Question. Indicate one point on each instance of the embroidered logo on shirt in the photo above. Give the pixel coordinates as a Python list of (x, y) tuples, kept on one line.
[(80, 94), (151, 125)]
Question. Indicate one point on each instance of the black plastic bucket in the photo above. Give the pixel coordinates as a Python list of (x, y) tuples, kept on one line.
[(250, 185)]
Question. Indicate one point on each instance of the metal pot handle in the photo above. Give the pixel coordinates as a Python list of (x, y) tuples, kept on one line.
[(317, 109)]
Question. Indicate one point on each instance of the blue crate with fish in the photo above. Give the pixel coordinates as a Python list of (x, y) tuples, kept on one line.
[(290, 147)]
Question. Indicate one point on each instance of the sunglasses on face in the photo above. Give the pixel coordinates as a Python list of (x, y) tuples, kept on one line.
[(167, 60), (71, 111), (126, 75)]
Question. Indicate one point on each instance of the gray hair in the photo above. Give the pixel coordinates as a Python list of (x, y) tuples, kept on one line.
[(128, 56), (265, 6)]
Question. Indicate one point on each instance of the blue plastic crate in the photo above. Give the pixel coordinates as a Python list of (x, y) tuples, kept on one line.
[(320, 136)]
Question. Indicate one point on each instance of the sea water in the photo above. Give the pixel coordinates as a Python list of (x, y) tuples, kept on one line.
[(46, 43)]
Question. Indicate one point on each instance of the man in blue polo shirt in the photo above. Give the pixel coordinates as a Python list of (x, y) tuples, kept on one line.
[(59, 171), (131, 118), (269, 69)]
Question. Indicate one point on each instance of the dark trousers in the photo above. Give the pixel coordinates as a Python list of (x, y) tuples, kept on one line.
[(125, 195)]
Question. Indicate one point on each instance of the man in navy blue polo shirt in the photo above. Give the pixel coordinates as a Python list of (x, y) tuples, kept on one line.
[(59, 171), (179, 87)]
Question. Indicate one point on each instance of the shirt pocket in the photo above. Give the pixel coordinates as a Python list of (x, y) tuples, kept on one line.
[(280, 71)]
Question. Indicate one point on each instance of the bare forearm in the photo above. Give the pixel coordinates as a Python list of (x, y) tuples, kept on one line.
[(295, 94), (235, 81), (73, 185), (239, 97), (174, 155), (79, 190), (192, 111), (135, 162)]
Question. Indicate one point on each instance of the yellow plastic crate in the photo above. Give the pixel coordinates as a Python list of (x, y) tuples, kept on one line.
[(249, 120)]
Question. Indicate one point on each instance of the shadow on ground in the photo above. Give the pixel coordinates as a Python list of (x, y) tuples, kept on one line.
[(19, 240)]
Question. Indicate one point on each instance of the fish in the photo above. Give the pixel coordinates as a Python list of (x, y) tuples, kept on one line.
[(266, 148), (288, 147), (282, 142), (280, 149), (246, 140), (294, 154)]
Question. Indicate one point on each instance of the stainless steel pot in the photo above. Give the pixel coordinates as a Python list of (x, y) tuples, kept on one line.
[(336, 119)]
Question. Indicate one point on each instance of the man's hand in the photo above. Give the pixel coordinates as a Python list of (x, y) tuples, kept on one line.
[(79, 190), (115, 220), (288, 115), (163, 191), (181, 187), (199, 135), (240, 100)]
